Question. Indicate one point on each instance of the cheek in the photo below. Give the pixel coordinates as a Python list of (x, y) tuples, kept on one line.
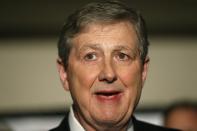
[(81, 81), (82, 77), (130, 77), (86, 75)]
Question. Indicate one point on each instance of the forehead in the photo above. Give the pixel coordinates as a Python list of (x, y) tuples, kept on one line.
[(119, 34)]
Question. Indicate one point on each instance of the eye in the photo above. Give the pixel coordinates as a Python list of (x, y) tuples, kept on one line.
[(122, 56), (90, 57)]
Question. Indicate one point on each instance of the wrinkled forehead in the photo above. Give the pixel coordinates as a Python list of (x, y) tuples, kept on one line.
[(120, 34), (104, 25)]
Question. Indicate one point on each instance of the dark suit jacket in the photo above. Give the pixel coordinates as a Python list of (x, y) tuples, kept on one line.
[(138, 126)]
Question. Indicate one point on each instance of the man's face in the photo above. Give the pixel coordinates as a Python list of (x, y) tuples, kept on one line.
[(104, 75)]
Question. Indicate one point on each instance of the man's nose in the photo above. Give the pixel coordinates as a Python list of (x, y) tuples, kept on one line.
[(108, 72)]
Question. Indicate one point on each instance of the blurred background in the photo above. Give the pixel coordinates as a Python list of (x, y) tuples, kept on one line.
[(30, 88)]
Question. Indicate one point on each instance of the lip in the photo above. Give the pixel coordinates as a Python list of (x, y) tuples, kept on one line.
[(108, 95)]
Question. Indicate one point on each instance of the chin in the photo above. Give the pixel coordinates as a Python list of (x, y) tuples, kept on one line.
[(111, 116)]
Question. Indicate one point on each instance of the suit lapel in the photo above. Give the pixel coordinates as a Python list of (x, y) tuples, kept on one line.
[(64, 125)]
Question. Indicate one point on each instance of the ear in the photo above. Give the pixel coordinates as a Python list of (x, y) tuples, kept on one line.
[(145, 69), (63, 74)]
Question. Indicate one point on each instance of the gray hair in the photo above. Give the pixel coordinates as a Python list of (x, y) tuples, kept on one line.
[(101, 12)]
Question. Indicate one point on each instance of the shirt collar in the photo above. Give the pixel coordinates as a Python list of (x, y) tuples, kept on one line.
[(76, 126), (73, 122)]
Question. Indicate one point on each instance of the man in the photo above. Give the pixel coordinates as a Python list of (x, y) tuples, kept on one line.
[(103, 62), (182, 115)]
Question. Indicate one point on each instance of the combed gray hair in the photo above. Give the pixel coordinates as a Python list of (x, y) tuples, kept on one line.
[(101, 12)]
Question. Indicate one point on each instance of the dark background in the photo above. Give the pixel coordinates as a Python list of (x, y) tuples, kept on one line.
[(27, 18)]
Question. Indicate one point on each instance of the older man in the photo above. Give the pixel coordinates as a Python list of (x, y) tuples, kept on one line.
[(103, 62)]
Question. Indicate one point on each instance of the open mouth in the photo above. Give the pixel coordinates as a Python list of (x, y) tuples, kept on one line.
[(108, 95)]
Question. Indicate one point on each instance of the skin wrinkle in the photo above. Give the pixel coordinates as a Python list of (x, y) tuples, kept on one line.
[(83, 79), (102, 24)]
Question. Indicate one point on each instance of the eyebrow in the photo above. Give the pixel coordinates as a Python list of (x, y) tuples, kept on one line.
[(91, 46), (120, 47), (98, 46)]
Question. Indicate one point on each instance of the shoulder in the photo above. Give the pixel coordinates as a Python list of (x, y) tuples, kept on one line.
[(144, 126)]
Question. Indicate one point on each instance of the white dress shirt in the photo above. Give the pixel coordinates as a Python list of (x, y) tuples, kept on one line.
[(76, 126)]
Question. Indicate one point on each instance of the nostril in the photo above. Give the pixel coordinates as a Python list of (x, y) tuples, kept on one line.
[(108, 79), (111, 80)]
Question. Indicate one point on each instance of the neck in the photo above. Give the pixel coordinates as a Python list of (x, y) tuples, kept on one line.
[(95, 126)]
